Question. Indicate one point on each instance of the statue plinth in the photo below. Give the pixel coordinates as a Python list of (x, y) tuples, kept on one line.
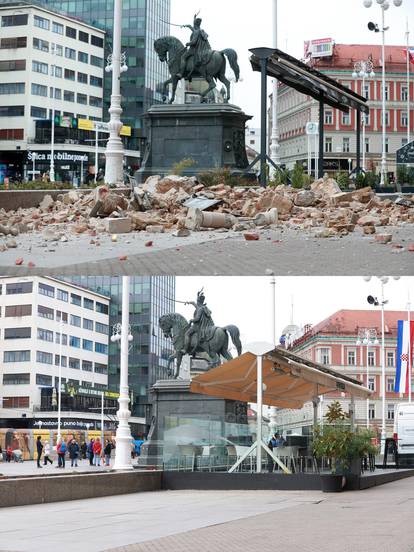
[(213, 135)]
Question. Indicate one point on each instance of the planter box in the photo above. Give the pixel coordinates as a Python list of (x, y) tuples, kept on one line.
[(332, 483)]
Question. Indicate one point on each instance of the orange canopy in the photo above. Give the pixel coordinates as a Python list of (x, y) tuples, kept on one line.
[(289, 380)]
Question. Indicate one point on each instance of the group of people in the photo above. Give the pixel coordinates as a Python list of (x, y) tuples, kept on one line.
[(93, 451)]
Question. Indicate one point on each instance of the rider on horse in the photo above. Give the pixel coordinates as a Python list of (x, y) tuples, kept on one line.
[(200, 325), (198, 48)]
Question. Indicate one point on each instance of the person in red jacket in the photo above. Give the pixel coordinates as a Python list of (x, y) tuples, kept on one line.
[(97, 450)]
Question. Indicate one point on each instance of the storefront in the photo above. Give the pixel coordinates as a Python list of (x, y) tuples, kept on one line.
[(70, 166)]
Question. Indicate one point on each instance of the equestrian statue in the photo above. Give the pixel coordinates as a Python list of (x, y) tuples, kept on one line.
[(200, 335), (195, 60)]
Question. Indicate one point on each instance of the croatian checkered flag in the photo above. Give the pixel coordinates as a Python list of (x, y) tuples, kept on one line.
[(404, 351)]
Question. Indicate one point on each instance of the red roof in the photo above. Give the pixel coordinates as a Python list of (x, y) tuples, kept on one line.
[(345, 55), (349, 321)]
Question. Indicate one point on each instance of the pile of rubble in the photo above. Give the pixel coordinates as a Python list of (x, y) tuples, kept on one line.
[(182, 204)]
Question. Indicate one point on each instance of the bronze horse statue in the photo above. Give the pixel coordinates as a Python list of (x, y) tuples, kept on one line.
[(215, 346), (171, 50)]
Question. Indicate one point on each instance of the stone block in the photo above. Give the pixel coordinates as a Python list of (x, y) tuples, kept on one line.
[(118, 225)]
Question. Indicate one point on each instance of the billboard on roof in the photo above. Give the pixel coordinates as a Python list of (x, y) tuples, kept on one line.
[(322, 47)]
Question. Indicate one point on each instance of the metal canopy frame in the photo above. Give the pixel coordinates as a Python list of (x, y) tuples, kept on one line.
[(294, 73)]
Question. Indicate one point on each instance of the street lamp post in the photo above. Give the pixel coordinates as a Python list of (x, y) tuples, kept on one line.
[(363, 69), (116, 63), (384, 4), (274, 144), (367, 337), (34, 166), (122, 333)]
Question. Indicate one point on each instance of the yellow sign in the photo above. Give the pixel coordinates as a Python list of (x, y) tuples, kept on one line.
[(86, 124), (126, 131)]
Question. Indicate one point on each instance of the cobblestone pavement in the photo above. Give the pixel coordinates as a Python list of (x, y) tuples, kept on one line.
[(379, 519), (281, 252)]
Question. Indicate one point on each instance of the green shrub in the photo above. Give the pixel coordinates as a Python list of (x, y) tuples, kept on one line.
[(402, 174), (224, 176), (281, 177), (297, 176), (180, 167), (40, 185), (342, 179)]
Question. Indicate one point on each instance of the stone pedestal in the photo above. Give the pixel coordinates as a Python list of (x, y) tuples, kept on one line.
[(213, 135)]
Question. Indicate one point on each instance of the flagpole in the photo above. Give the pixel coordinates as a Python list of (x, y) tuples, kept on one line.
[(410, 367), (407, 34)]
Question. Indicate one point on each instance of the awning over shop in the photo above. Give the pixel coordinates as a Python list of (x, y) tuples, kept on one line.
[(289, 380)]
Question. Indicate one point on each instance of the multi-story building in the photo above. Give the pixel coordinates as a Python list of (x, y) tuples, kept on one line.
[(340, 341), (143, 21), (50, 64), (150, 298), (295, 110)]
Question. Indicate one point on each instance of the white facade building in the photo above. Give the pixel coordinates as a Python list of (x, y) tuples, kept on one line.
[(47, 61), (43, 321), (253, 138)]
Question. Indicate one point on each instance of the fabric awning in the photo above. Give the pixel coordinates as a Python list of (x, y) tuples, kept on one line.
[(289, 380)]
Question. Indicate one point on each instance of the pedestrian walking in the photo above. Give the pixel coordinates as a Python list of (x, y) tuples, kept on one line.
[(97, 450), (46, 454), (107, 452), (73, 453), (9, 453), (39, 448), (90, 451), (61, 451), (83, 450)]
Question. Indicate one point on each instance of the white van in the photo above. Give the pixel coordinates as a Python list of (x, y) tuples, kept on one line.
[(404, 432)]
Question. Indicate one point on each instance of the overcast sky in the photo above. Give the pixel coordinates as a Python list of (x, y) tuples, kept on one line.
[(247, 301), (243, 24)]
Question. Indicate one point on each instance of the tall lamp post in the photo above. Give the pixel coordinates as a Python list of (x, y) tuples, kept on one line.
[(384, 4), (274, 144), (122, 333), (273, 409), (364, 70), (368, 337), (117, 64)]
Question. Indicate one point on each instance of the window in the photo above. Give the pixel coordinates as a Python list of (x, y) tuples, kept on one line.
[(13, 65), (61, 317), (18, 310), (12, 111), (18, 288), (39, 90), (75, 320), (371, 411), (13, 42), (17, 333), (101, 368), (371, 383), (44, 358), (74, 341), (87, 324), (68, 96), (404, 118), (351, 358), (95, 102), (11, 134), (16, 356), (57, 50), (16, 379), (39, 44), (390, 411), (38, 112), (102, 308), (69, 74), (82, 99), (96, 61), (74, 363), (45, 335), (83, 57), (76, 299), (84, 37), (41, 22), (39, 67), (86, 384), (328, 145), (101, 348), (345, 145), (56, 71), (371, 358), (87, 345), (44, 289), (387, 118), (328, 117), (64, 338), (100, 386), (62, 295), (101, 328), (390, 385), (366, 145), (71, 32), (88, 303), (57, 28), (70, 53), (14, 20), (366, 117), (387, 92), (95, 81), (83, 78), (12, 88), (45, 312), (42, 379), (324, 356), (64, 361), (404, 93), (387, 145), (97, 41), (15, 402), (86, 365), (346, 119), (390, 359), (366, 91)]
